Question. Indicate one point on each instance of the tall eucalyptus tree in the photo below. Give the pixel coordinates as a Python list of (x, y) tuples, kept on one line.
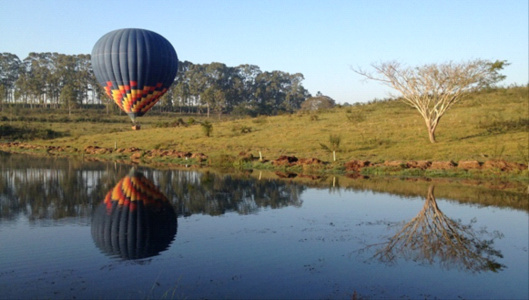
[(9, 71)]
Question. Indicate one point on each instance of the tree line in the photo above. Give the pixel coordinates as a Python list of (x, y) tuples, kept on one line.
[(60, 81), (43, 188)]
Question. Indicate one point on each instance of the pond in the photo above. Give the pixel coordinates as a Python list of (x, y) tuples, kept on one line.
[(98, 230)]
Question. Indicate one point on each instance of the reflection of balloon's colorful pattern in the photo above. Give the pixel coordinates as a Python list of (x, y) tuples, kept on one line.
[(135, 67), (132, 190), (135, 220)]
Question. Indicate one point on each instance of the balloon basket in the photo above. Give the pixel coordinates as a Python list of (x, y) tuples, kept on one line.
[(136, 127)]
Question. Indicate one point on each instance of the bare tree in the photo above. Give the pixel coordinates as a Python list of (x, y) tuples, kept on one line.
[(433, 89)]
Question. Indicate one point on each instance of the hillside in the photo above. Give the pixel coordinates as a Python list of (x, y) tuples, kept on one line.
[(489, 125)]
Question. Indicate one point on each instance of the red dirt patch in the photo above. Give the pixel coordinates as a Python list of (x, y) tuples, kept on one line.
[(469, 164), (356, 165), (285, 160), (396, 163), (309, 161), (247, 156), (503, 165), (199, 156), (420, 164), (442, 165)]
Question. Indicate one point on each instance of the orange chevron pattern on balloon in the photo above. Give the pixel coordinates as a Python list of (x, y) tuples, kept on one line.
[(133, 100)]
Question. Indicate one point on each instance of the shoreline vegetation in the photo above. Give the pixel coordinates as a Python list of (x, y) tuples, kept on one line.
[(484, 138), (485, 192)]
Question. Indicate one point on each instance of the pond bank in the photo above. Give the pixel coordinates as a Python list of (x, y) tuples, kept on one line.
[(287, 166)]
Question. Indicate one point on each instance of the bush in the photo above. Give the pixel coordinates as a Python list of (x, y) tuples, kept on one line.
[(27, 133), (207, 128), (334, 145), (260, 120), (179, 122), (236, 129), (356, 116), (501, 126), (176, 123), (161, 125), (222, 161)]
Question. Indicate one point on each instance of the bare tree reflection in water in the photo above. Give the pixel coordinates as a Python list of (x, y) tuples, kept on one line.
[(431, 236)]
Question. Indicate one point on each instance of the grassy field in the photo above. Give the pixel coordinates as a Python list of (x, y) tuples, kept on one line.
[(489, 125)]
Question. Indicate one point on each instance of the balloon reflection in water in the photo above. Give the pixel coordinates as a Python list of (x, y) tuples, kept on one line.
[(135, 220)]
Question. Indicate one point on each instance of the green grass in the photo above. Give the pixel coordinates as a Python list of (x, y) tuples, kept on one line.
[(487, 125)]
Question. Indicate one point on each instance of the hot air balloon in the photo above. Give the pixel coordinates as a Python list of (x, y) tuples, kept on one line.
[(135, 67), (135, 220)]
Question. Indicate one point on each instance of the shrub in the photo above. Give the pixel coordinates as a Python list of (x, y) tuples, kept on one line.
[(161, 125), (27, 133), (222, 160), (356, 116), (207, 128), (179, 122), (334, 145), (260, 120), (502, 126), (236, 129)]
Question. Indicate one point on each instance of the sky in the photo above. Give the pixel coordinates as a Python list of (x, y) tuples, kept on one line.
[(322, 39)]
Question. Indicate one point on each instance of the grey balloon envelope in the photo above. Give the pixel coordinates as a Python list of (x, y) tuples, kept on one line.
[(135, 67)]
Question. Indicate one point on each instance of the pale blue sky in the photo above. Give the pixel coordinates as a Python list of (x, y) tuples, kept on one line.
[(321, 39)]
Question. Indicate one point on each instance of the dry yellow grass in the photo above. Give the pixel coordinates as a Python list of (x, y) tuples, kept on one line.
[(487, 125)]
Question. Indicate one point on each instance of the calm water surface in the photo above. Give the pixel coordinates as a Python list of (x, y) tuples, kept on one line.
[(104, 231)]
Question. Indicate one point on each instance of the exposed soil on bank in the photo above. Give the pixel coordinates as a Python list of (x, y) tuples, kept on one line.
[(285, 166)]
